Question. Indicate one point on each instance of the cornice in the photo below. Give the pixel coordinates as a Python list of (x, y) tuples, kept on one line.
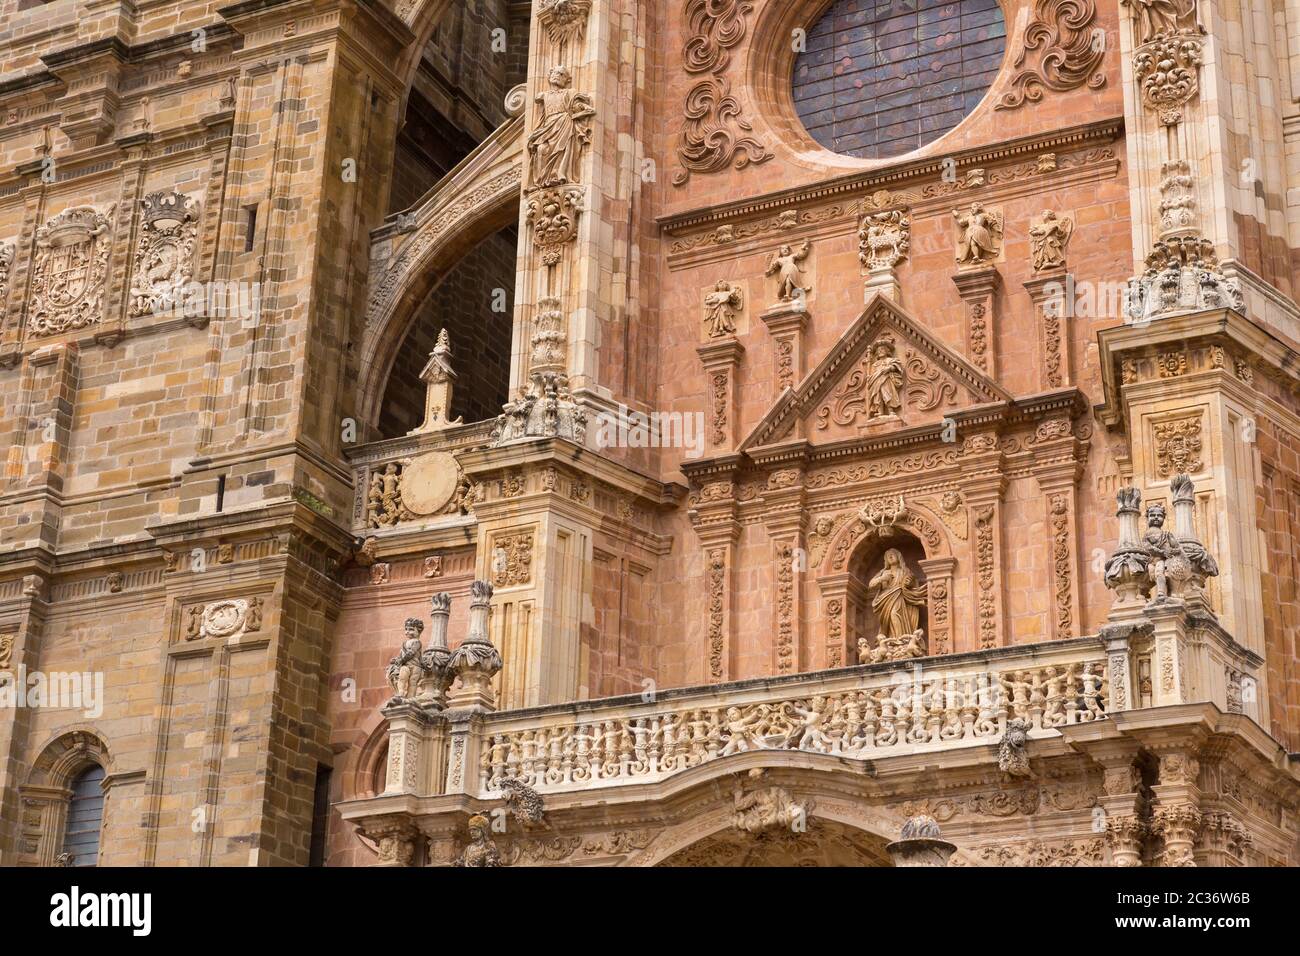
[(866, 181)]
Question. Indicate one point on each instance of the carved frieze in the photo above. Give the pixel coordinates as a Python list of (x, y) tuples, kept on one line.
[(512, 559)]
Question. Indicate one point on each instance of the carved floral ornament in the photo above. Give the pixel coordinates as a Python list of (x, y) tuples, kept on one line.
[(69, 271)]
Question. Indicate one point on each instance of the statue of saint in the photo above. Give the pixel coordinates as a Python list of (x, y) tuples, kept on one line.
[(898, 601), (785, 266), (884, 380), (560, 133), (980, 231)]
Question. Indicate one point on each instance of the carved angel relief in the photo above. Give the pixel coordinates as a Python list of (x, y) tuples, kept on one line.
[(1048, 238), (68, 274), (979, 235), (164, 258), (720, 309)]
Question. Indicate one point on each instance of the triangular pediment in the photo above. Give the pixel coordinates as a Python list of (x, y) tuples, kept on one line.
[(911, 379)]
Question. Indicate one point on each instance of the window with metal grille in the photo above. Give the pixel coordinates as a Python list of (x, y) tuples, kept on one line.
[(880, 78), (85, 816)]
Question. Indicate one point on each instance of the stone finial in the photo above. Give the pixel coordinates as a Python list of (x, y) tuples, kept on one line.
[(920, 827), (436, 660), (477, 661), (920, 844), (1127, 570), (438, 377), (1202, 563)]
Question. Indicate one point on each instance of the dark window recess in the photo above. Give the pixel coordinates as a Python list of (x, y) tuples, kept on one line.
[(880, 78), (251, 232), (320, 816), (221, 492), (85, 817)]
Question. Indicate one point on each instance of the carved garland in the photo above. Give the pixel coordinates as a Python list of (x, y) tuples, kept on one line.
[(785, 608), (984, 557), (1059, 505), (713, 135), (1071, 55), (717, 559), (720, 390)]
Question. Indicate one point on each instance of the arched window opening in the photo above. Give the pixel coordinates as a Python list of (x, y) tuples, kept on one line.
[(85, 818), (477, 54), (474, 303)]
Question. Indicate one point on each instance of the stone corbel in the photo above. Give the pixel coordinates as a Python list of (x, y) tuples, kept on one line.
[(721, 359), (977, 288)]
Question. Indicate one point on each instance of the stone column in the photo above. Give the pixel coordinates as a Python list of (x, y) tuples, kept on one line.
[(1177, 818), (983, 489), (786, 503), (1058, 466)]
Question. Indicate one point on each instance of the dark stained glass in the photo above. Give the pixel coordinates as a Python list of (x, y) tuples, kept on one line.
[(880, 78)]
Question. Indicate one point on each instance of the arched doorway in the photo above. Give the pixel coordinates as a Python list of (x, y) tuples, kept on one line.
[(822, 843)]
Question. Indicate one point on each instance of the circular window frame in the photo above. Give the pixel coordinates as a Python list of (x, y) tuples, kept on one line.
[(769, 74)]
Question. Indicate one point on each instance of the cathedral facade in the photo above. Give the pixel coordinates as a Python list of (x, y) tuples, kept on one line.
[(650, 432)]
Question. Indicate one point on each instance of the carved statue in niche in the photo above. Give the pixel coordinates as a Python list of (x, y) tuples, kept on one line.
[(561, 131), (884, 380), (979, 234), (720, 307), (897, 606), (1048, 238), (785, 265), (1163, 17)]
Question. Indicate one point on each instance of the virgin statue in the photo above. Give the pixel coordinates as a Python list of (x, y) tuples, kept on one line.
[(898, 603)]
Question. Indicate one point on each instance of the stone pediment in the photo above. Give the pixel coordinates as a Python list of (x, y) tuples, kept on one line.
[(885, 373)]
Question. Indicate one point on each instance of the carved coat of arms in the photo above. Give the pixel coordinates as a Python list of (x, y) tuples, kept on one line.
[(164, 259), (69, 270)]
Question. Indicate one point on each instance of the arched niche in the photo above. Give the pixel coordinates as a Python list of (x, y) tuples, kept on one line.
[(856, 555)]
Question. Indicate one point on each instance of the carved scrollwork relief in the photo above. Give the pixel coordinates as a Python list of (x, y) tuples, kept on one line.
[(717, 579), (714, 135), (1070, 54), (883, 239), (1167, 71)]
